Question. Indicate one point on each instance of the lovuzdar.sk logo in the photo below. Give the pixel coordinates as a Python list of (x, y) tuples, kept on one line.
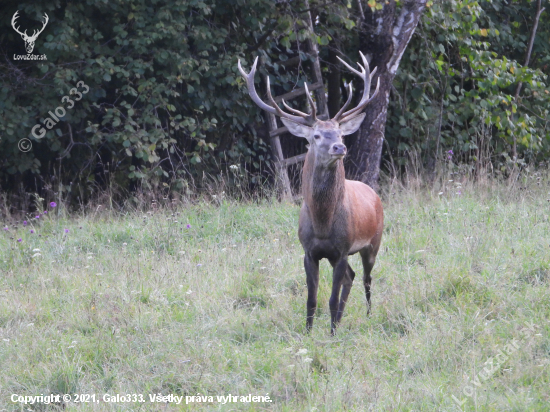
[(29, 40)]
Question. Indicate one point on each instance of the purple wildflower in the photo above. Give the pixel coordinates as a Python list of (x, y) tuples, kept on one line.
[(45, 212), (6, 229), (19, 240), (53, 204), (66, 230), (188, 226), (450, 152), (24, 223), (37, 217), (32, 231)]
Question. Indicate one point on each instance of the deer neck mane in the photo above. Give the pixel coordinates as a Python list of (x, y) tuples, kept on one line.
[(323, 191)]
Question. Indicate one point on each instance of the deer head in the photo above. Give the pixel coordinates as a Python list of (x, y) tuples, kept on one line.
[(29, 40), (324, 137)]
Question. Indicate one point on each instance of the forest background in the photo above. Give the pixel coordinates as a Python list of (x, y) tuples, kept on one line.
[(168, 111)]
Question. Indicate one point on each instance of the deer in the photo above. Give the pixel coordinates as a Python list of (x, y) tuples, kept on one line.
[(338, 217), (29, 40)]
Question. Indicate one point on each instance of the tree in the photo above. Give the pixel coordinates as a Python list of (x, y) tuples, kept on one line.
[(385, 31)]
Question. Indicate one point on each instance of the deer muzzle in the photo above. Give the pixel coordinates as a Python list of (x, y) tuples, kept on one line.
[(338, 150)]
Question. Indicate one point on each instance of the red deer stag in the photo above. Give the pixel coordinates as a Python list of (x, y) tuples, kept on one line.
[(339, 217)]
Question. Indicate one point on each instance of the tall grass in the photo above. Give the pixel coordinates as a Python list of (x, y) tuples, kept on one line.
[(209, 298)]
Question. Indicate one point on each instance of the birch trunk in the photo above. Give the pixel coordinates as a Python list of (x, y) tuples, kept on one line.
[(385, 35)]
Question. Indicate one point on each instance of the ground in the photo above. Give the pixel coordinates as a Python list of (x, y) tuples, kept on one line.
[(209, 298)]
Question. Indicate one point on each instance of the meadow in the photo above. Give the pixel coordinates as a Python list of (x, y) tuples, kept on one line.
[(208, 297)]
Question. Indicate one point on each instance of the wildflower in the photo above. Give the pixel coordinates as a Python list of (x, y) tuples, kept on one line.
[(188, 226), (66, 230), (32, 231), (19, 240), (53, 204), (450, 152), (308, 360), (6, 229), (37, 217), (45, 212), (301, 352), (24, 223)]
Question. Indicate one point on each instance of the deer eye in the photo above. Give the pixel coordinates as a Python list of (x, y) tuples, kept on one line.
[(317, 136)]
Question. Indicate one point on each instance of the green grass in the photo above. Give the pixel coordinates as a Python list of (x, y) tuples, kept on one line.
[(139, 303)]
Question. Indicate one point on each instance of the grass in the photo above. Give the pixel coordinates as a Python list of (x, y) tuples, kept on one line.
[(140, 303)]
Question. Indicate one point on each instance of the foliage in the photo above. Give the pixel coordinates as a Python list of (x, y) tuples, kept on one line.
[(167, 105), (457, 84), (164, 88)]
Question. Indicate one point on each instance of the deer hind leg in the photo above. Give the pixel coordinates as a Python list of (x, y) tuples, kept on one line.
[(338, 276), (368, 256), (346, 288), (311, 266)]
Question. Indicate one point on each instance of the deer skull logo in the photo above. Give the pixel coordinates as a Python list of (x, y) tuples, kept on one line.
[(29, 40)]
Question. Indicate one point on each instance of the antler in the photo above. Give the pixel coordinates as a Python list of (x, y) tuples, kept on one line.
[(37, 32), (302, 118), (15, 16), (366, 75)]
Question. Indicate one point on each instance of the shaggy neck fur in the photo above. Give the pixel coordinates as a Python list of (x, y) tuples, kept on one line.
[(323, 190)]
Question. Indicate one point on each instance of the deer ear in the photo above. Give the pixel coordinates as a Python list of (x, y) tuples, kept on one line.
[(350, 126), (297, 129)]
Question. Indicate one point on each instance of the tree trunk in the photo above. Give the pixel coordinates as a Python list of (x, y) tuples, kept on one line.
[(384, 35)]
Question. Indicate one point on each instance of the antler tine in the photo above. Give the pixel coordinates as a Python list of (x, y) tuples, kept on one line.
[(37, 32), (350, 94), (358, 73), (274, 109), (13, 22), (249, 77), (362, 104), (313, 115), (366, 75), (308, 118), (299, 113)]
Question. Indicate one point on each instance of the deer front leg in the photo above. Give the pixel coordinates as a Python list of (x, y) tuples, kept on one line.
[(347, 283), (338, 276), (311, 266)]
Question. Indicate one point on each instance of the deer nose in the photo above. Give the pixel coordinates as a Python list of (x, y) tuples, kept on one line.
[(339, 149)]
